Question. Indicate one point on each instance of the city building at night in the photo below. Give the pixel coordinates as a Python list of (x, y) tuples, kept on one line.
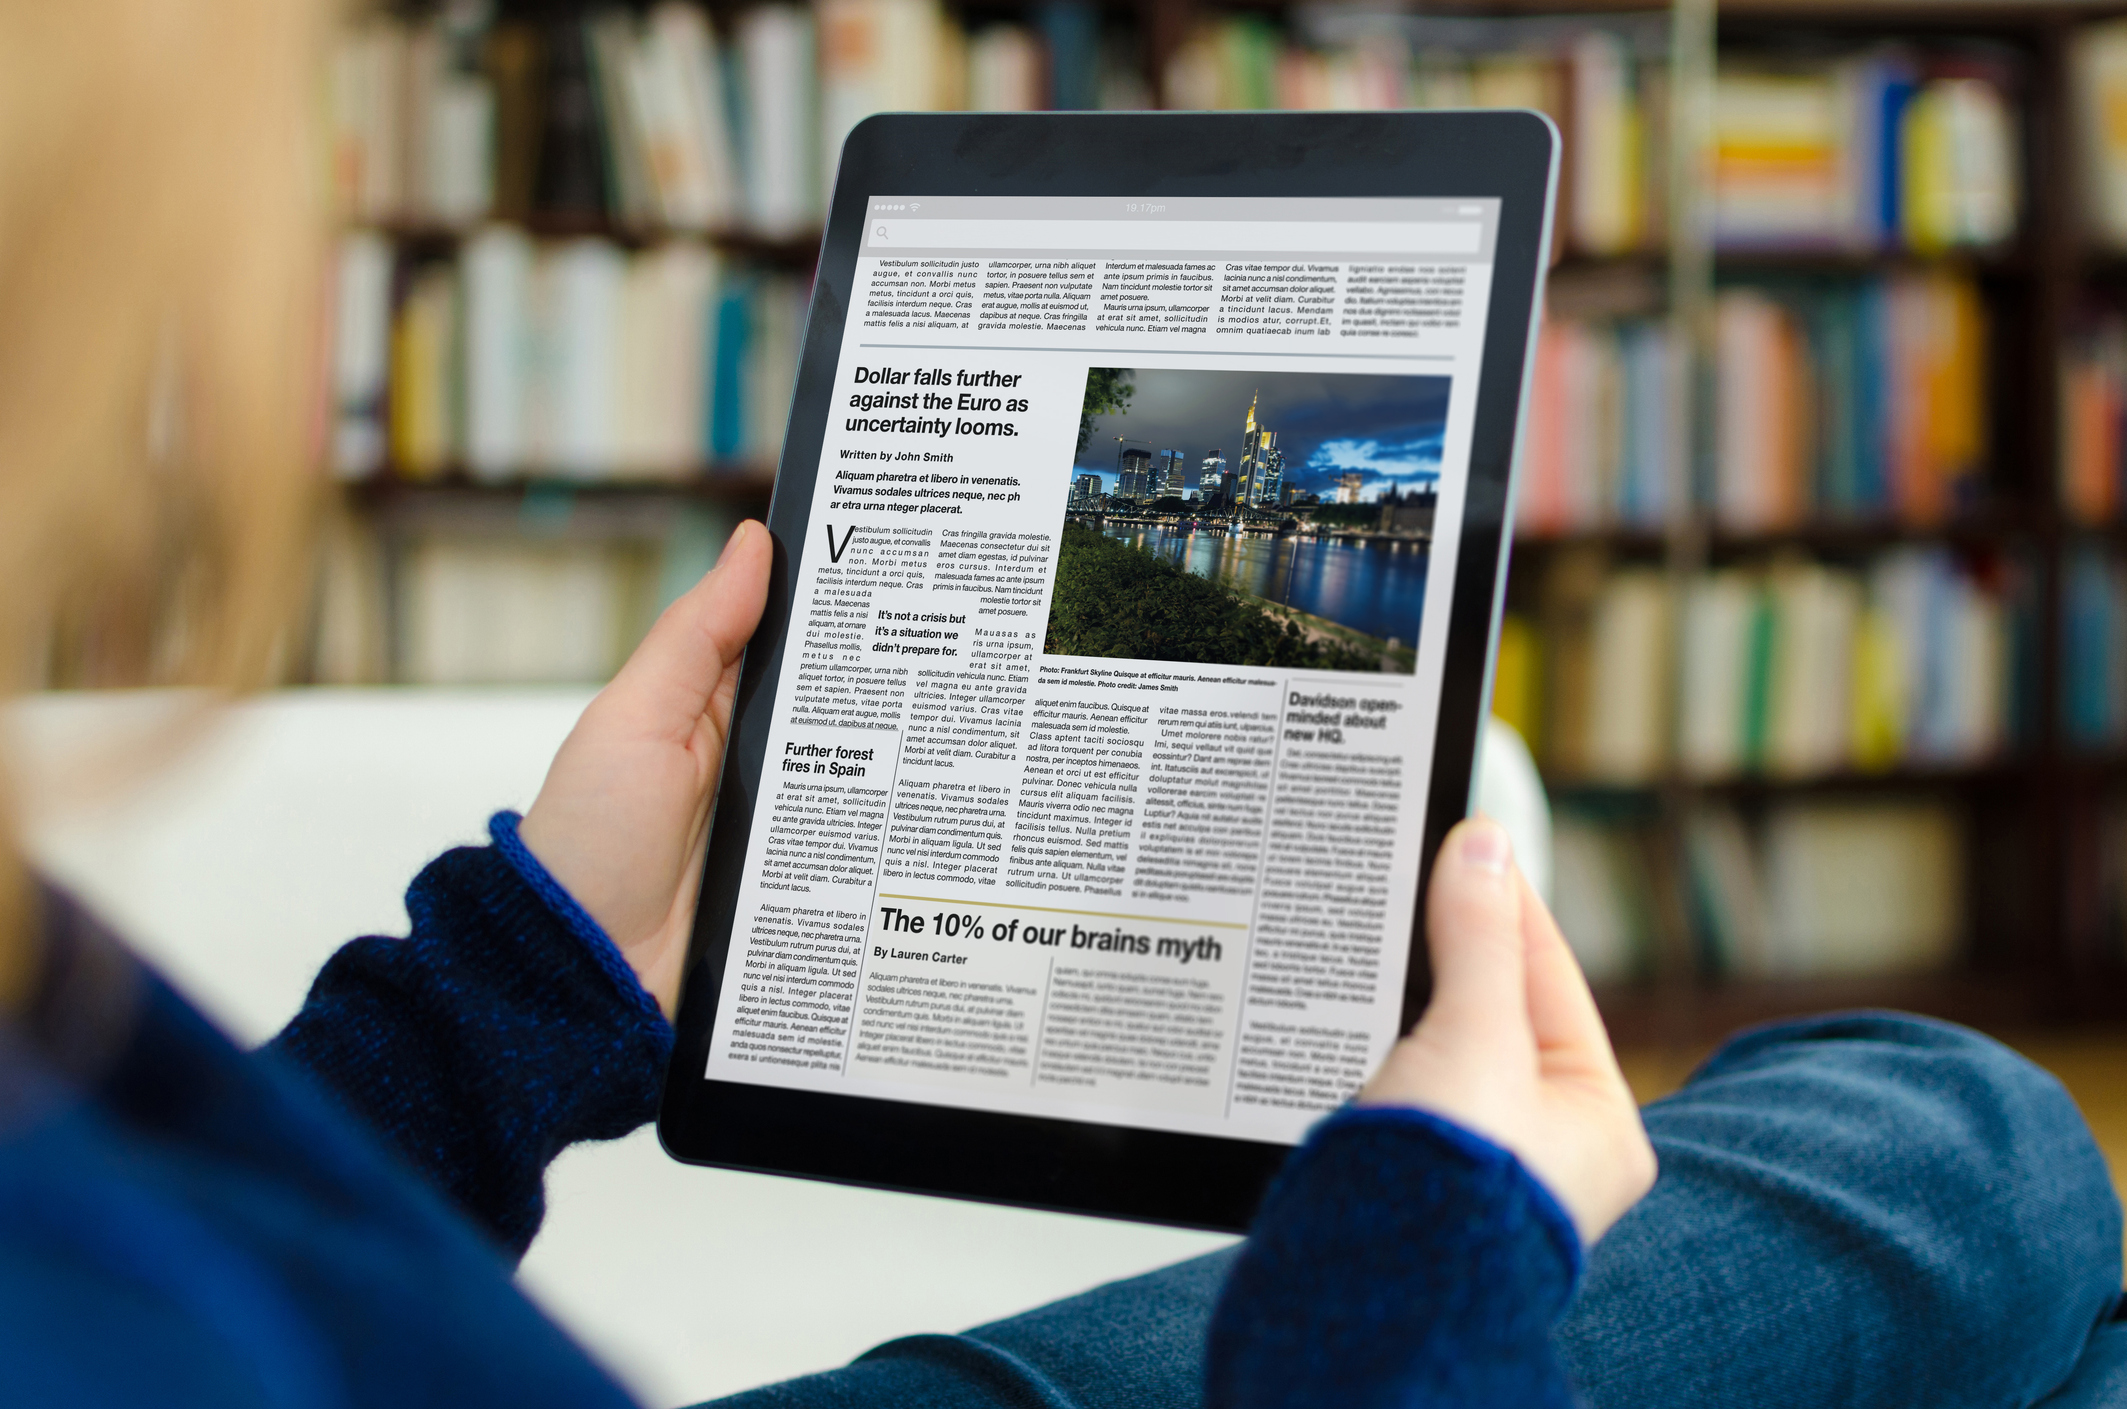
[(1134, 474)]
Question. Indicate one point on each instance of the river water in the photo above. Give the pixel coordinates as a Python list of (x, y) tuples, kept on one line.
[(1378, 588)]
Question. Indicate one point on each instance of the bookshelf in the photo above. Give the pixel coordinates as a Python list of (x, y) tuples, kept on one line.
[(2035, 909)]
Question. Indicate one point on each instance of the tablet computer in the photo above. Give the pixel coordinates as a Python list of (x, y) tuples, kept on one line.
[(1140, 535)]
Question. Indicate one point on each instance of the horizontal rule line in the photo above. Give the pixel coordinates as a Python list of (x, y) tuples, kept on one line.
[(1055, 910), (1168, 351)]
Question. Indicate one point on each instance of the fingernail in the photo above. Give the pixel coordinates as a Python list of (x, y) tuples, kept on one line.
[(738, 535), (1485, 847)]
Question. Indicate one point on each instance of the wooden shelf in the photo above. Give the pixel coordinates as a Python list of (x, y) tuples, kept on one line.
[(800, 249), (1998, 529), (1905, 777), (745, 480), (2013, 261), (551, 508), (1929, 16)]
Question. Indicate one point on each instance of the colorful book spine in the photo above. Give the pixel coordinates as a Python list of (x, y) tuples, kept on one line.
[(1805, 889), (1882, 150), (1791, 669), (1834, 401), (577, 359), (2093, 697), (2093, 415), (1605, 438)]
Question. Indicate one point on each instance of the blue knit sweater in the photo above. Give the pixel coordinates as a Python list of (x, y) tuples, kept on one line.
[(332, 1223)]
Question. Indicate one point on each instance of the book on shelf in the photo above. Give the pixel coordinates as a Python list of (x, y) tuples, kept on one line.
[(1835, 400), (1849, 400), (879, 56), (2097, 65), (2094, 648), (662, 119), (500, 612), (1603, 895), (499, 597), (1888, 149), (1006, 70), (1822, 888), (651, 120), (1804, 889), (414, 117), (1604, 84), (2093, 415), (1792, 669), (572, 358), (1606, 434)]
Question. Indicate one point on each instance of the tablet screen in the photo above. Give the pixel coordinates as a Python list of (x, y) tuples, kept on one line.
[(1096, 776)]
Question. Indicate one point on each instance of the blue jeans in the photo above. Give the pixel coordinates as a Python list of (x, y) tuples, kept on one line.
[(1864, 1209)]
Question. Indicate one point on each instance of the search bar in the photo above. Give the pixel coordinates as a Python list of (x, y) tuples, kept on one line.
[(1236, 236)]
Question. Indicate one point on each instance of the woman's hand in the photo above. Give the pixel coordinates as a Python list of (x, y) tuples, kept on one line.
[(1511, 1046), (623, 817)]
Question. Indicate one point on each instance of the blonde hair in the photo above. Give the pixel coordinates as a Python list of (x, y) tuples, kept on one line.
[(161, 233)]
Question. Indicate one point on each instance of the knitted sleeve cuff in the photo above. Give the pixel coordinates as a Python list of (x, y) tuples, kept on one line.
[(502, 827), (1549, 1214), (1399, 1259)]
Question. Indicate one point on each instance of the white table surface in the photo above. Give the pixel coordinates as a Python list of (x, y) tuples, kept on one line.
[(237, 847)]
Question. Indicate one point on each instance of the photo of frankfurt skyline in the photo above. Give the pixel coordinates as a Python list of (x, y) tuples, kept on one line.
[(1326, 425), (1249, 518)]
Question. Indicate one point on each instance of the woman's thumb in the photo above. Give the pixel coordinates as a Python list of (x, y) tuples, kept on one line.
[(1473, 932)]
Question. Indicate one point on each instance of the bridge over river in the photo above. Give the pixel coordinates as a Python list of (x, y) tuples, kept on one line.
[(1170, 525)]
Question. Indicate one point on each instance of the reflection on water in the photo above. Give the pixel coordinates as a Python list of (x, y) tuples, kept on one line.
[(1378, 588)]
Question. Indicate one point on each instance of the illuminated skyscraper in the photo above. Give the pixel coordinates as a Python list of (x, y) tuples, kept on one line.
[(1262, 463), (1212, 471), (1348, 487), (1085, 492), (1134, 474), (1171, 475), (1250, 436)]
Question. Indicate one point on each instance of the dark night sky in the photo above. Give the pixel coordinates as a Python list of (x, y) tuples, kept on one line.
[(1387, 427)]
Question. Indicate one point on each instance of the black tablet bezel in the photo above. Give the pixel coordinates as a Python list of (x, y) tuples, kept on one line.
[(1159, 1176)]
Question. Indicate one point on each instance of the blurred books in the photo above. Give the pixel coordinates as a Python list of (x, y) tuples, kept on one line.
[(547, 587), (2094, 649), (1849, 401), (1834, 401), (664, 120), (571, 358), (1606, 433), (654, 120), (2093, 416), (1792, 669), (2097, 62), (1826, 888), (1604, 84), (1884, 150), (1603, 895), (1800, 889)]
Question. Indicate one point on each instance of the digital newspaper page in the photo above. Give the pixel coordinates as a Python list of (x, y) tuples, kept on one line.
[(1097, 777)]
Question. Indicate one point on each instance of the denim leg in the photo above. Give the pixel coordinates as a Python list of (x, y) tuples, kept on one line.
[(1135, 1344), (1865, 1209), (2100, 1378), (1859, 1210)]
